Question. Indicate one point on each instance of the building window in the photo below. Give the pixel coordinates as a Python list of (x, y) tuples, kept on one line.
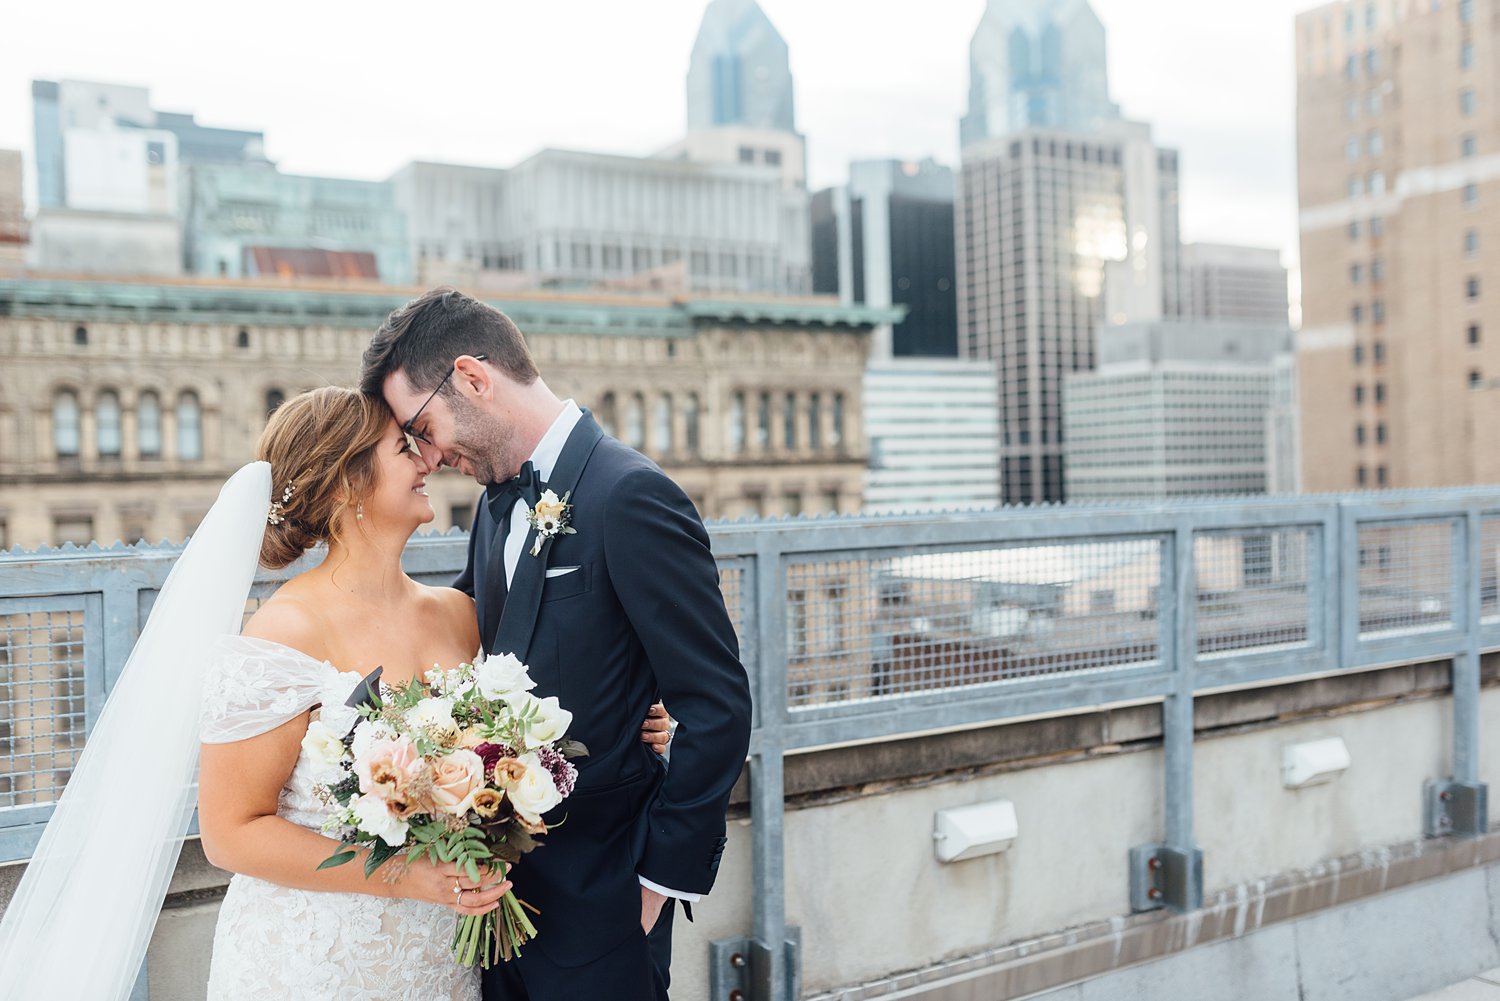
[(1356, 185), (1471, 195), (1354, 230), (1359, 395), (1474, 377), (1359, 434), (1380, 434), (274, 399), (1359, 354), (242, 339), (1377, 184), (1467, 102), (189, 428), (1468, 146), (81, 336), (1471, 288), (736, 427), (1372, 103), (773, 157), (75, 528), (1372, 62), (662, 433), (461, 516), (1377, 226), (836, 438), (1376, 144), (1380, 352), (1357, 313), (66, 427), (1380, 392), (1356, 274), (1351, 148), (635, 421), (763, 421), (1361, 475), (107, 424), (1466, 55), (1377, 270), (148, 426), (1473, 333), (1377, 311), (1471, 242), (1466, 11), (1351, 68), (690, 423), (607, 419), (789, 421), (1381, 477), (747, 155), (815, 421)]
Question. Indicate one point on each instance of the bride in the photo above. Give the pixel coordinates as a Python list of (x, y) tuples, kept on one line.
[(333, 470)]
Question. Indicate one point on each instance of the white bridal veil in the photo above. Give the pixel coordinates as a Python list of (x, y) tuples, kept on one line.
[(82, 916)]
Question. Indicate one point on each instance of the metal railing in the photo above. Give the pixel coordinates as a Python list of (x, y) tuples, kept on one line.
[(861, 629)]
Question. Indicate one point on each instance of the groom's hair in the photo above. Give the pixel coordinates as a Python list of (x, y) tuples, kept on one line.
[(423, 338)]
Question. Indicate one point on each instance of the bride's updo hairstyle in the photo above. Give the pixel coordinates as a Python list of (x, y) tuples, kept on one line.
[(321, 444)]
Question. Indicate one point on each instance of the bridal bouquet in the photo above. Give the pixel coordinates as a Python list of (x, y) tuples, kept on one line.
[(458, 768)]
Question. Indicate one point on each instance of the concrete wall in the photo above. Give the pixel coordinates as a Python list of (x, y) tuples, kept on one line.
[(874, 905)]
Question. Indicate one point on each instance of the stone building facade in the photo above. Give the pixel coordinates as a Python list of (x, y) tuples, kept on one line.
[(124, 405)]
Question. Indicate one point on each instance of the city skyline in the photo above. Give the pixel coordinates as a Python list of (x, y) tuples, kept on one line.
[(863, 90)]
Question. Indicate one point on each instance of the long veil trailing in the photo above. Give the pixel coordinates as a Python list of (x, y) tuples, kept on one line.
[(82, 916)]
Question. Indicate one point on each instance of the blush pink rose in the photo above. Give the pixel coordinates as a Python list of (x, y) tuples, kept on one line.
[(387, 767), (456, 777)]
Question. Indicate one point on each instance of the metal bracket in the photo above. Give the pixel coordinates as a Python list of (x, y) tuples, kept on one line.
[(738, 968), (1165, 877), (1456, 808)]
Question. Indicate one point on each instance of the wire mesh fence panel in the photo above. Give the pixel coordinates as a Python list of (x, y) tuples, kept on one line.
[(1252, 588), (1489, 568), (867, 626), (1405, 576), (43, 715), (736, 582)]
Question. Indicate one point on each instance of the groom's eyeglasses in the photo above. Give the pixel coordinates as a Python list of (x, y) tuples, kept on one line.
[(409, 429)]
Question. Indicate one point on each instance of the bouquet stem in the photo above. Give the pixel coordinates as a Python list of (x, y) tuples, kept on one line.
[(486, 939)]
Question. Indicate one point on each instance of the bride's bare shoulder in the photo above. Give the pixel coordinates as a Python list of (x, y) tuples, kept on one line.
[(290, 620), (455, 607)]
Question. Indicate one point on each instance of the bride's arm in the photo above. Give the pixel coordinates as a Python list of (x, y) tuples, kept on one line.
[(240, 783)]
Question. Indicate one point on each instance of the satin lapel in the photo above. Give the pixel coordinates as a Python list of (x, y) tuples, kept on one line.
[(494, 578), (518, 621)]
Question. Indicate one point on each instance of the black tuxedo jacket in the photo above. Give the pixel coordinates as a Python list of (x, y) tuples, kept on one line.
[(640, 617)]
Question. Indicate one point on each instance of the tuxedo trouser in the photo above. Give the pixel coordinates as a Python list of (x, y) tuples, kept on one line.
[(639, 969)]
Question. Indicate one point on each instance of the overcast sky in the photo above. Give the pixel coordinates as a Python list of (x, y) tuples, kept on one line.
[(358, 90)]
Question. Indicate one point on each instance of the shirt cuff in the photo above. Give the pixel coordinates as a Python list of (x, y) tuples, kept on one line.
[(691, 898)]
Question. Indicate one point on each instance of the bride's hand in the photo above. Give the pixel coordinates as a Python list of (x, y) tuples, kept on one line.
[(436, 884), (656, 728)]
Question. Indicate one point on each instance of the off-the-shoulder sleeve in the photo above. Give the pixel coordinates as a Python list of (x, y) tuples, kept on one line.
[(254, 686)]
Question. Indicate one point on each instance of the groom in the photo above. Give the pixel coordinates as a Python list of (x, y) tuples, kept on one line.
[(622, 609)]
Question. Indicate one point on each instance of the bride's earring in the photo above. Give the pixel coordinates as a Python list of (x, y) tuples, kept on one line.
[(359, 512)]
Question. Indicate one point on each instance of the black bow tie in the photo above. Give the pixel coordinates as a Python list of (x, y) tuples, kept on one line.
[(525, 485)]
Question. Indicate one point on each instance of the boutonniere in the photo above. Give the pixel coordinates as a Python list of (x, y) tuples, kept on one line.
[(550, 518)]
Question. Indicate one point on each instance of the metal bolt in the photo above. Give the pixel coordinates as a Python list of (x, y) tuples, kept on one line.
[(737, 960), (736, 996), (1445, 795), (1153, 863), (1153, 894)]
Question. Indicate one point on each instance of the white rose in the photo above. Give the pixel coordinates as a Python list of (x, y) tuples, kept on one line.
[(322, 746), (436, 713), (551, 722), (367, 732), (500, 675), (375, 817), (534, 793)]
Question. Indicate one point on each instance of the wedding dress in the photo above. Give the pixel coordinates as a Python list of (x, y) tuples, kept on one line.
[(275, 941)]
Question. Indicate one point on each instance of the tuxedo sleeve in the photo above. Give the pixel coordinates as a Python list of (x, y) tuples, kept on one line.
[(659, 561), (465, 580)]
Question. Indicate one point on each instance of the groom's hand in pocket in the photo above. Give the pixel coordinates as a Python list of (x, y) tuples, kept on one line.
[(651, 905), (656, 728)]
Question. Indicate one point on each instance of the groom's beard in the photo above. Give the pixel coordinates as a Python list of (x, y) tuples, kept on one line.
[(484, 442)]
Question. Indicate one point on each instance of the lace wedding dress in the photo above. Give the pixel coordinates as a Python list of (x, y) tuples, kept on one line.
[(277, 942)]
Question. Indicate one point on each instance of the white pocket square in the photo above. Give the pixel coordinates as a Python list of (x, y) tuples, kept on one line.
[(559, 571)]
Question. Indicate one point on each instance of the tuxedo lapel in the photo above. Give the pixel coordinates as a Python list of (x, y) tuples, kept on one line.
[(524, 599), (494, 576)]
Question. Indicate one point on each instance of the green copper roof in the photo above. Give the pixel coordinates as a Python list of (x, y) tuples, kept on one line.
[(229, 303)]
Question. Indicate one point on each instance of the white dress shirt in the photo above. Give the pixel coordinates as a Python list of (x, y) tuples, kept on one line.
[(544, 460)]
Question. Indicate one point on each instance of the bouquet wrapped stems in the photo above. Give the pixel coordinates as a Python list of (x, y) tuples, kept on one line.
[(486, 939)]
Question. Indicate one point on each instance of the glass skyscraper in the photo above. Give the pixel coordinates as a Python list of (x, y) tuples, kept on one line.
[(1036, 64), (740, 72)]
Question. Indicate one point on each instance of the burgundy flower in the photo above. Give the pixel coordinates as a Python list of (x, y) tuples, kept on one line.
[(564, 775), (491, 753)]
